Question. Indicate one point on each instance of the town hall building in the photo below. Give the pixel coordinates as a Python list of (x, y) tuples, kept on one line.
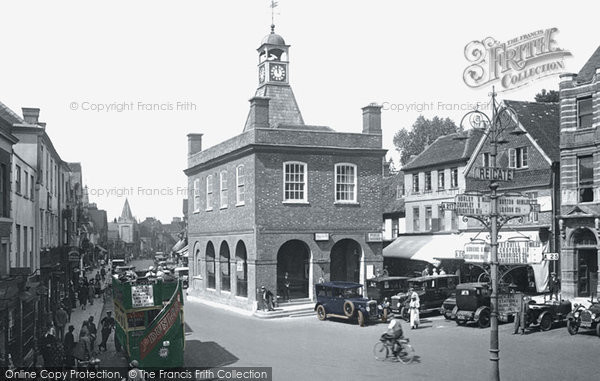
[(283, 197)]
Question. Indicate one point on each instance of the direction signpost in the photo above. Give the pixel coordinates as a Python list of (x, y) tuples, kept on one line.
[(492, 174), (472, 204)]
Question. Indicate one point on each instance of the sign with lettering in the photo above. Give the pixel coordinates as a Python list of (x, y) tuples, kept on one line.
[(467, 204), (514, 206), (476, 252), (448, 205), (161, 325), (374, 237), (509, 304), (551, 256), (509, 252), (239, 266), (492, 174), (142, 296), (321, 236)]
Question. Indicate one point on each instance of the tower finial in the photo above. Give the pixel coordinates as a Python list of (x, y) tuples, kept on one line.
[(273, 5)]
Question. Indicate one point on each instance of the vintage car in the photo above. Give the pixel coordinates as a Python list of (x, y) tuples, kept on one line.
[(432, 291), (584, 317), (543, 313), (472, 304), (344, 300), (386, 286), (448, 306)]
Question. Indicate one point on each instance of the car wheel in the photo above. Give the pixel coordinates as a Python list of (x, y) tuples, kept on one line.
[(484, 319), (321, 314), (546, 322), (384, 316), (348, 308), (404, 314), (572, 327), (361, 319)]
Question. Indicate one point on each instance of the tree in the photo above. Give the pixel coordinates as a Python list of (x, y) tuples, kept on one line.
[(422, 133), (547, 96)]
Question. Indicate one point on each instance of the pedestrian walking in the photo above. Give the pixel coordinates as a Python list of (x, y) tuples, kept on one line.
[(414, 306), (267, 298), (84, 329), (107, 323), (83, 296), (91, 292), (93, 332), (61, 321), (69, 345), (102, 273)]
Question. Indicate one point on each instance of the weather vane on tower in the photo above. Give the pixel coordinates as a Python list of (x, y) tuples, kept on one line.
[(273, 5)]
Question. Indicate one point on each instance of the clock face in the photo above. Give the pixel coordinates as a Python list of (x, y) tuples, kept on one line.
[(278, 73), (261, 74)]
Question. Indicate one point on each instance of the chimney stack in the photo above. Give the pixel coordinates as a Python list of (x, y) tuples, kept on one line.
[(372, 119), (31, 115), (259, 113), (194, 143)]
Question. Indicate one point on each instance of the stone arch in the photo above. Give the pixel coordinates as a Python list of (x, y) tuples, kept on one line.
[(345, 257), (241, 259), (210, 265), (225, 266), (583, 236), (293, 258)]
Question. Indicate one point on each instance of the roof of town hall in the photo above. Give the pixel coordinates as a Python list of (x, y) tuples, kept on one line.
[(392, 204), (588, 70), (542, 122), (447, 149)]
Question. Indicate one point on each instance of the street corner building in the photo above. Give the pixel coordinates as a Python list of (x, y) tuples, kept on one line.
[(579, 221), (283, 197)]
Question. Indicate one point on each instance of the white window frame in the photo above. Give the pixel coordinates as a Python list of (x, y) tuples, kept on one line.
[(223, 195), (441, 176), (415, 183), (196, 195), (354, 184), (304, 198), (453, 178), (240, 186), (209, 193), (579, 101), (427, 186), (518, 161)]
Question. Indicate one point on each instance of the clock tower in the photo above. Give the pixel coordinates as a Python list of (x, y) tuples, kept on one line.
[(273, 83)]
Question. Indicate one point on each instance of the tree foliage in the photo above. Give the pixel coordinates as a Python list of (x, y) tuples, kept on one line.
[(422, 133), (547, 96)]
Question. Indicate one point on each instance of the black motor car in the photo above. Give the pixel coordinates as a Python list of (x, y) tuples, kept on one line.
[(584, 317), (344, 300), (432, 291), (472, 304), (386, 286), (543, 314)]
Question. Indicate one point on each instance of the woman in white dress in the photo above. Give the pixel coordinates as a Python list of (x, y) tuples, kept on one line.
[(414, 310)]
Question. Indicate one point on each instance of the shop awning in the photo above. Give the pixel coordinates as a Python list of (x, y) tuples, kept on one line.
[(179, 246), (428, 248)]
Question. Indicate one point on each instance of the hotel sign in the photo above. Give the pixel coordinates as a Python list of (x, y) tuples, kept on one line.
[(492, 174)]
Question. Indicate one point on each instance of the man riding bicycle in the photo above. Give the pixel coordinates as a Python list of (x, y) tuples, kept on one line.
[(394, 333)]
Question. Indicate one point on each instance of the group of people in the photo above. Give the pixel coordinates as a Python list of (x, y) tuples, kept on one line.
[(88, 290), (432, 270)]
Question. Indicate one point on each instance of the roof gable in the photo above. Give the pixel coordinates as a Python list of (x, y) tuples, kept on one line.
[(588, 70)]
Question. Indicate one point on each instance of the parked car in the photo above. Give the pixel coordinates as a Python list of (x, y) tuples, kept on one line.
[(386, 286), (473, 304), (432, 291), (544, 314), (345, 300), (448, 306), (584, 317)]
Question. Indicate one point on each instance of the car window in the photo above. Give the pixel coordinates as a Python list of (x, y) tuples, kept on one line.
[(352, 293), (464, 292)]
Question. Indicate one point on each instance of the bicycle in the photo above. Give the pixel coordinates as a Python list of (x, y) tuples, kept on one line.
[(384, 349)]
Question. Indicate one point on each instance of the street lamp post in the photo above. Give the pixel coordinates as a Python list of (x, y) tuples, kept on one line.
[(502, 118)]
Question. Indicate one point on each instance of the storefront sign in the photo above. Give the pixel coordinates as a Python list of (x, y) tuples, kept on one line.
[(475, 205), (492, 174), (240, 266), (509, 252), (321, 236), (374, 237), (514, 206), (476, 252), (142, 296)]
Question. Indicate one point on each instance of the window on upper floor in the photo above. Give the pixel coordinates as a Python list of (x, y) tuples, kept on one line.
[(17, 179), (223, 188), (399, 191), (345, 182), (4, 192), (415, 183), (585, 174), (196, 195), (441, 180), (31, 187), (486, 160), (585, 113), (294, 182), (416, 219), (26, 189), (427, 181), (209, 192), (518, 157), (240, 185), (454, 178)]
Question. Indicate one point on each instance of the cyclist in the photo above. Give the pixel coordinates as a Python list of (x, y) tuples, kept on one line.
[(394, 333)]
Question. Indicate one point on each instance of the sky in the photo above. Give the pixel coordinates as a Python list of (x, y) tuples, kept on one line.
[(120, 84)]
